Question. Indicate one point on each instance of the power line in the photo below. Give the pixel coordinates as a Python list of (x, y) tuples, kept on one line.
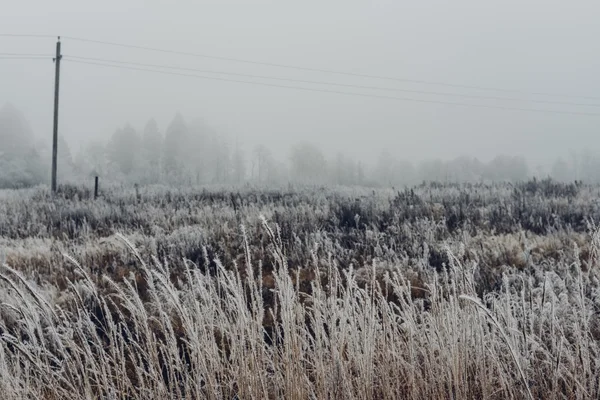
[(332, 83), (25, 35), (338, 92), (24, 55), (327, 71), (22, 58)]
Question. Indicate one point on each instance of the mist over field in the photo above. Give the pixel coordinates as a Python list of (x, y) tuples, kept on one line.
[(193, 152), (310, 200), (466, 80)]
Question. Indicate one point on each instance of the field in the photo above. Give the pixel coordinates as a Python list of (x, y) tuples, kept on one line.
[(431, 292)]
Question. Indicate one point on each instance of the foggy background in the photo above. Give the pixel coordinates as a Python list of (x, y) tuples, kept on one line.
[(521, 47)]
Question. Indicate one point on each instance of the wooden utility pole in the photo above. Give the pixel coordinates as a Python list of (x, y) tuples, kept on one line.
[(55, 133)]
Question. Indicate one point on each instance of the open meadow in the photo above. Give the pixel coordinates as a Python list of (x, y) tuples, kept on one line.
[(469, 291)]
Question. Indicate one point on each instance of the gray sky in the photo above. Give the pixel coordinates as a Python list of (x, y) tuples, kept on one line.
[(533, 46)]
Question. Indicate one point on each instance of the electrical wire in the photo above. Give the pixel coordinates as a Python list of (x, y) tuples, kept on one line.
[(24, 55), (26, 35), (336, 91), (332, 83), (23, 58), (327, 71)]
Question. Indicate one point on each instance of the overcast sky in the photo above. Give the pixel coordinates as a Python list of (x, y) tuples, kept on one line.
[(525, 46)]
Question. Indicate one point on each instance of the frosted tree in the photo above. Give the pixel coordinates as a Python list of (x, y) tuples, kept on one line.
[(465, 169), (92, 159), (432, 171), (223, 165), (152, 144), (392, 172), (123, 149), (16, 135), (175, 151), (65, 163), (561, 171), (20, 162), (589, 166), (308, 164), (404, 173), (339, 169), (384, 170), (345, 171), (360, 173), (239, 164), (507, 168), (263, 163)]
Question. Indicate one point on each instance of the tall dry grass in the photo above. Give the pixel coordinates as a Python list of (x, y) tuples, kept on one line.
[(357, 334)]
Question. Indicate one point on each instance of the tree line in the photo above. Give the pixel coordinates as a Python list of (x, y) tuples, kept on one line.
[(194, 153)]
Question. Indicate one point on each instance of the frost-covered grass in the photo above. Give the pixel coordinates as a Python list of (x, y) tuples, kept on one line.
[(439, 292)]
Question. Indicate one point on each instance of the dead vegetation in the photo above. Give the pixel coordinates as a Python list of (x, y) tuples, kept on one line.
[(466, 291)]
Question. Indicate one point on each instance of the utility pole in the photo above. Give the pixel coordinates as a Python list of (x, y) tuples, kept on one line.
[(55, 133)]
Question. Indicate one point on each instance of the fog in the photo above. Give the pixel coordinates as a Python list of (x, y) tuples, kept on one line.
[(522, 48)]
